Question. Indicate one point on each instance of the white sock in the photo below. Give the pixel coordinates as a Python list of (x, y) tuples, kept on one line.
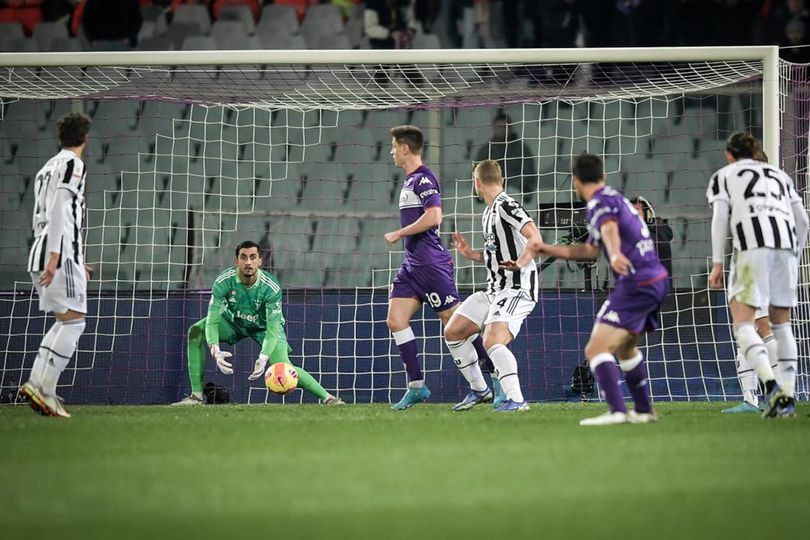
[(466, 358), (38, 369), (748, 380), (753, 348), (506, 371), (788, 355), (62, 348)]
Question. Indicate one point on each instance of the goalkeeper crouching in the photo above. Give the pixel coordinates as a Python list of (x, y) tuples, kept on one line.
[(245, 303)]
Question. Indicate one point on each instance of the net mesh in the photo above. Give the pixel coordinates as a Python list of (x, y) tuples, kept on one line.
[(185, 163)]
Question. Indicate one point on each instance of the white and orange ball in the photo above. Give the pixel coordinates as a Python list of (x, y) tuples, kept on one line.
[(281, 378)]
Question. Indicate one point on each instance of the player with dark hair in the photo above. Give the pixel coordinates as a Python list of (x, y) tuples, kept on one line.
[(426, 274), (245, 303), (632, 307), (56, 262), (769, 224)]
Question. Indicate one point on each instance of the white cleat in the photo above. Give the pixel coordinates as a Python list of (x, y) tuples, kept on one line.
[(333, 400), (606, 419), (58, 406), (189, 401), (642, 418)]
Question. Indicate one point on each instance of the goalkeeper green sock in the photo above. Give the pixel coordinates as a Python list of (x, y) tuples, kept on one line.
[(308, 383), (196, 356)]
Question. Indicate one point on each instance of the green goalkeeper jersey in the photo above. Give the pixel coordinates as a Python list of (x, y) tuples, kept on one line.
[(251, 310)]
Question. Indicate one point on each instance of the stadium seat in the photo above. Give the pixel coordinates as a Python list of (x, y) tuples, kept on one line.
[(426, 41), (46, 32), (239, 42), (179, 31), (321, 20), (279, 16), (239, 13), (199, 43), (62, 44), (329, 41), (11, 30), (193, 14), (224, 29), (18, 45), (158, 43)]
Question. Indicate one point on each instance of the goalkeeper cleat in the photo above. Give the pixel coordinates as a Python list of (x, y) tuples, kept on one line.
[(509, 405), (473, 399), (772, 400), (189, 401), (606, 419), (786, 408), (413, 396), (500, 396), (333, 400), (642, 418), (744, 407)]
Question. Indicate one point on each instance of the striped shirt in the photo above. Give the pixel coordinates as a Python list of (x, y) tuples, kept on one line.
[(64, 171), (759, 198), (503, 241)]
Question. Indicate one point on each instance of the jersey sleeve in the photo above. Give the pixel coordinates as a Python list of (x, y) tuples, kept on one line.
[(793, 195), (717, 190), (427, 188), (216, 306), (514, 214), (601, 210), (275, 322), (72, 176)]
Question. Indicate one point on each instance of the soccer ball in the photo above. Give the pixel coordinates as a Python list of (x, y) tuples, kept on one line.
[(281, 378)]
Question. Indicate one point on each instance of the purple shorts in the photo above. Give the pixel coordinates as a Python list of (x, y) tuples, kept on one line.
[(634, 306), (432, 284)]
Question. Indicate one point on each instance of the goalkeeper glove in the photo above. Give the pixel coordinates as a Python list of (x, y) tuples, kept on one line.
[(258, 367), (223, 365)]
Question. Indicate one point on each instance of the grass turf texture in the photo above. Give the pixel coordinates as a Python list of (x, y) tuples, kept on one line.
[(367, 472)]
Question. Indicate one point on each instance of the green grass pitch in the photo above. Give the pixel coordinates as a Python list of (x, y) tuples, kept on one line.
[(364, 471)]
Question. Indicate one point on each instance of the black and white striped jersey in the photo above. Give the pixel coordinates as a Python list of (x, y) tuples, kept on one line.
[(759, 196), (64, 171), (503, 241)]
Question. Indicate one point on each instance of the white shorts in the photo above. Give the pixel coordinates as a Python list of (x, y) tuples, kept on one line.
[(764, 277), (67, 291), (511, 306)]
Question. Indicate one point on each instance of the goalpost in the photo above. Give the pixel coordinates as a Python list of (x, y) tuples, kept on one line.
[(192, 152)]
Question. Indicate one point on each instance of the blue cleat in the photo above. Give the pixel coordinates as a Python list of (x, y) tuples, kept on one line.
[(508, 406), (744, 407), (499, 395), (786, 408), (772, 402), (473, 399), (413, 396)]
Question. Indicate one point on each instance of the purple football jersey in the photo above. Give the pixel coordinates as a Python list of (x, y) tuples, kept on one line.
[(636, 244), (421, 191)]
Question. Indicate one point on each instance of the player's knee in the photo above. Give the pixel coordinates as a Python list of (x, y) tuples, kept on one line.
[(395, 324), (453, 332), (194, 333), (593, 348)]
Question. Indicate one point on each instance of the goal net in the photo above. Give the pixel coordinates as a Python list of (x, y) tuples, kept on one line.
[(192, 153)]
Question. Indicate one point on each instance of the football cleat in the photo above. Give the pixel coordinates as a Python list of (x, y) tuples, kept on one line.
[(413, 396), (786, 408), (500, 396), (473, 399), (35, 399), (509, 405), (189, 401), (772, 400), (642, 418), (744, 407), (606, 419), (333, 400), (58, 406)]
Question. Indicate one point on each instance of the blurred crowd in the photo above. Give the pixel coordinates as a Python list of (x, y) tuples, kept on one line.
[(473, 23)]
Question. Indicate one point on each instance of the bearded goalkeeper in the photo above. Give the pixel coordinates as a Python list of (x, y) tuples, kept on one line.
[(245, 303)]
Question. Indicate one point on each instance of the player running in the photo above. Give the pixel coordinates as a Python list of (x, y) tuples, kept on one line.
[(56, 262), (426, 273), (245, 303), (511, 294), (768, 229), (632, 308)]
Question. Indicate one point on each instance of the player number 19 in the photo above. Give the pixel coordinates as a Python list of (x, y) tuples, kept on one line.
[(434, 299)]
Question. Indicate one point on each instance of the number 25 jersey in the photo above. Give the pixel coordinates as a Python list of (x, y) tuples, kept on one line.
[(759, 196)]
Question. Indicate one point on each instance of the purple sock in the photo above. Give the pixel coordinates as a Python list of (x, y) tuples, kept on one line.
[(410, 358), (606, 374), (636, 380), (486, 365)]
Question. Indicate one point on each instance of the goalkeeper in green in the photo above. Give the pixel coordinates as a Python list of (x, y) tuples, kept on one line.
[(245, 303)]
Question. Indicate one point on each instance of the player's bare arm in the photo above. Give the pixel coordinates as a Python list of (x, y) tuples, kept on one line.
[(577, 252), (464, 249), (430, 219), (532, 249), (613, 245)]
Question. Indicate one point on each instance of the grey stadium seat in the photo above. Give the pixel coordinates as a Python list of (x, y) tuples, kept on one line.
[(193, 14), (285, 14), (241, 14), (46, 32)]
